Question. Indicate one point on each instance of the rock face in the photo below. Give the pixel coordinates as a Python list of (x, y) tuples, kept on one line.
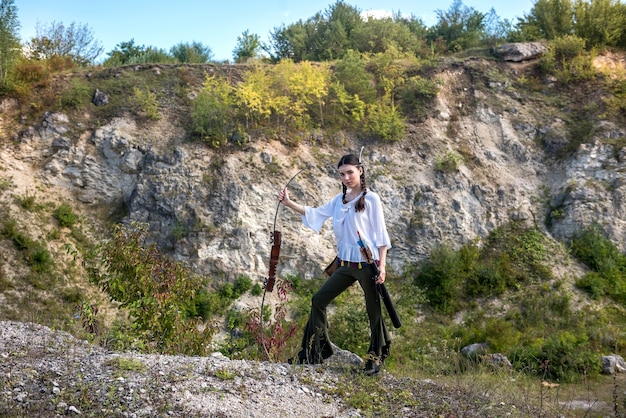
[(216, 209)]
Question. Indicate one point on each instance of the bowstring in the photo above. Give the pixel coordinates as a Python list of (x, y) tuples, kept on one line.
[(265, 290)]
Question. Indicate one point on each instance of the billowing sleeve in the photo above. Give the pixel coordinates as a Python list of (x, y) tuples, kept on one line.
[(314, 218), (380, 236)]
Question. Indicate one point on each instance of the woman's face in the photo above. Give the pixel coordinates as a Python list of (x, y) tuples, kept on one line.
[(350, 175)]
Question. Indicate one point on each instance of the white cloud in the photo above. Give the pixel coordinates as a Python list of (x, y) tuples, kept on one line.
[(375, 14)]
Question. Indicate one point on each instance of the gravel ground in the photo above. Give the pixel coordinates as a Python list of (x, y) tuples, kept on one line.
[(47, 373)]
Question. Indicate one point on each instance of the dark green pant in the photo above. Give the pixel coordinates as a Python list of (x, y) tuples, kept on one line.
[(315, 341)]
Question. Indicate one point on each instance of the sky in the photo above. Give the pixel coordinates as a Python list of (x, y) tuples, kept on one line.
[(215, 24)]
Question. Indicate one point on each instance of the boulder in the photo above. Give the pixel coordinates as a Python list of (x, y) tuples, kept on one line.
[(520, 51), (613, 364)]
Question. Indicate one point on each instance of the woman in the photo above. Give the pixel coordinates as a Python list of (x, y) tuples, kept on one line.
[(355, 211)]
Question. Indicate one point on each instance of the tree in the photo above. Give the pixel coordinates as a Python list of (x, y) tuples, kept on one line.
[(377, 35), (196, 53), (290, 42), (75, 41), (599, 22), (460, 26), (324, 36), (248, 47), (255, 96), (335, 35), (123, 53), (548, 19), (9, 39), (350, 72), (496, 30)]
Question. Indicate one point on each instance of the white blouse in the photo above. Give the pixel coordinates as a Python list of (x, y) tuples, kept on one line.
[(370, 223)]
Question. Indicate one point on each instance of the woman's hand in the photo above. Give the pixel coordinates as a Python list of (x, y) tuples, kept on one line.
[(381, 277), (283, 197)]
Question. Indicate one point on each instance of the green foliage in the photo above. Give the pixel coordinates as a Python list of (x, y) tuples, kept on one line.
[(442, 276), (581, 129), (600, 23), (460, 27), (206, 304), (350, 71), (154, 289), (449, 162), (26, 201), (11, 231), (568, 60), (563, 356), (418, 94), (350, 326), (511, 255), (248, 47), (552, 18), (608, 265), (592, 247), (35, 253), (148, 103), (76, 95), (256, 290), (123, 365), (126, 53), (39, 258), (9, 42), (616, 101), (65, 215), (213, 114), (329, 35), (123, 53), (343, 109), (153, 55), (194, 53), (385, 122)]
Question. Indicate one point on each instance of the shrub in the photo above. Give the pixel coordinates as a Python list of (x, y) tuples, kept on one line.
[(154, 289), (417, 95), (568, 60), (350, 327), (147, 102), (65, 215), (449, 162), (385, 122), (564, 356), (77, 95), (32, 71), (10, 231), (39, 257), (512, 254), (442, 277), (213, 114), (27, 202), (592, 247)]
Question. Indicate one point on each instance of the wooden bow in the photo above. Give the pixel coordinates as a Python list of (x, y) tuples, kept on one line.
[(275, 240)]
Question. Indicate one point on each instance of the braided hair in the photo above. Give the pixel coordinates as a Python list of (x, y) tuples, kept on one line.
[(351, 159)]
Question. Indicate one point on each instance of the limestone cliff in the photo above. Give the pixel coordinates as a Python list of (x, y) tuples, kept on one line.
[(215, 209)]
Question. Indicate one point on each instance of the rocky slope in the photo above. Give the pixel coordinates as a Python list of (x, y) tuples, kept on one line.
[(50, 374)]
